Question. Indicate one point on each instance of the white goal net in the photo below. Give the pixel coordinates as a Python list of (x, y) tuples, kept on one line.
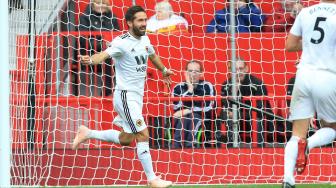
[(52, 94)]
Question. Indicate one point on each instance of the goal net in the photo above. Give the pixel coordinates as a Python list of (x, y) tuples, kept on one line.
[(52, 94)]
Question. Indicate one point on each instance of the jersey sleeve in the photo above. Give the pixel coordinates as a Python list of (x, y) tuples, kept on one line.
[(296, 28), (114, 50), (150, 49)]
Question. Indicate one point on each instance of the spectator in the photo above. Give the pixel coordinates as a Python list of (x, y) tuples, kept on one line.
[(283, 17), (248, 85), (189, 114), (97, 17), (165, 21), (248, 18)]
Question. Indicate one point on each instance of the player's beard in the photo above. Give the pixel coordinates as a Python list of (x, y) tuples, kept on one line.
[(138, 32)]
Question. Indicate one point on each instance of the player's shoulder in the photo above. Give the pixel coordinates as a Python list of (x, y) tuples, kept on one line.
[(124, 36), (121, 39), (304, 11), (145, 38), (319, 6)]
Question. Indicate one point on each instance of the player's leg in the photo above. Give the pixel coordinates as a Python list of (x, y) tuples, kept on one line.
[(145, 158), (300, 130), (124, 138), (85, 133), (325, 103), (323, 136), (293, 146), (301, 110), (324, 98), (322, 93), (132, 113)]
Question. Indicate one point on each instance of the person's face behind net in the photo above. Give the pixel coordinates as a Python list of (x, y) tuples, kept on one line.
[(193, 73), (241, 70), (101, 6), (162, 14)]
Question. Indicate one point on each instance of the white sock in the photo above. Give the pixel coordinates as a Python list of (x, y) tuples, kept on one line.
[(146, 159), (322, 137), (106, 135), (291, 152)]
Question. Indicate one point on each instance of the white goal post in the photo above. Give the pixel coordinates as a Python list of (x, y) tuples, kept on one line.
[(5, 130)]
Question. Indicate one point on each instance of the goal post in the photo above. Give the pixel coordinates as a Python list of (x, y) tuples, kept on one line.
[(5, 130), (68, 94)]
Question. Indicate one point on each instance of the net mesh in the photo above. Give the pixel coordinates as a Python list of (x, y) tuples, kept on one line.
[(52, 94)]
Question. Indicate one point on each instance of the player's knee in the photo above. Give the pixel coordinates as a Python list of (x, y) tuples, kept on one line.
[(142, 136), (326, 124), (126, 139), (125, 142)]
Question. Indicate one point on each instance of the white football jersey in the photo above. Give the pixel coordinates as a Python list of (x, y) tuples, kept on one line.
[(317, 26), (130, 56)]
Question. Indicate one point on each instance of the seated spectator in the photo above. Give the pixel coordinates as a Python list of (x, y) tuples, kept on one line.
[(165, 21), (283, 17), (248, 18), (247, 85), (188, 115), (97, 17)]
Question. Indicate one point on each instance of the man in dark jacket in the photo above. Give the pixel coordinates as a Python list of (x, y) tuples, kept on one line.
[(247, 85), (97, 17), (189, 115)]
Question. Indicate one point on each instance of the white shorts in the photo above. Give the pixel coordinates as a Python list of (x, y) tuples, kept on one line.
[(314, 91), (128, 105)]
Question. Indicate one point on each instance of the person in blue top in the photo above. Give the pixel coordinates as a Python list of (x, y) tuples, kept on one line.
[(248, 18)]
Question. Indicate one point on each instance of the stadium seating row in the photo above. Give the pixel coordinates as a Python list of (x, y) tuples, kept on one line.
[(198, 13)]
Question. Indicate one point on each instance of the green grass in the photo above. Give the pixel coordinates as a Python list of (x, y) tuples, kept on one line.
[(228, 186)]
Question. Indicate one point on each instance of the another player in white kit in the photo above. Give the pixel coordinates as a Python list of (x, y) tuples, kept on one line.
[(130, 52), (314, 32)]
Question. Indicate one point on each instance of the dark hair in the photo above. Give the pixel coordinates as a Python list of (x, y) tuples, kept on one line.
[(195, 61), (129, 16)]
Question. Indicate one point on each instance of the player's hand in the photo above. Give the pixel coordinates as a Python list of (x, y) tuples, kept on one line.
[(166, 76), (85, 59)]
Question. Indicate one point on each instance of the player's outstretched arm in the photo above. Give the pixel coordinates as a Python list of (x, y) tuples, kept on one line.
[(158, 64), (293, 43), (94, 59)]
